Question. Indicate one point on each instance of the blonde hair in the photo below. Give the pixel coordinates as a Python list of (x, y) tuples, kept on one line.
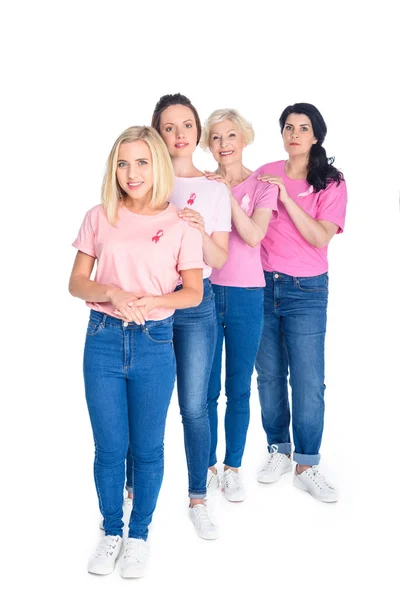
[(163, 173), (225, 114)]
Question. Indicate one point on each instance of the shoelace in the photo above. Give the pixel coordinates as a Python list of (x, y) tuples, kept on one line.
[(319, 479), (273, 458), (107, 546), (134, 550), (210, 478), (202, 513), (232, 479)]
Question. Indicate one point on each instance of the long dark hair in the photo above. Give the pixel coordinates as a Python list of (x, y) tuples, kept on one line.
[(320, 169), (169, 100)]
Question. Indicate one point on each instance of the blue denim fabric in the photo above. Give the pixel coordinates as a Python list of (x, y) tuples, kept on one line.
[(293, 340), (240, 318), (195, 332), (129, 373)]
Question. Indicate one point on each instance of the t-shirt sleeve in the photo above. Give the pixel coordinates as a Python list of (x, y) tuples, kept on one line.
[(191, 250), (223, 216), (332, 204), (267, 197), (85, 239)]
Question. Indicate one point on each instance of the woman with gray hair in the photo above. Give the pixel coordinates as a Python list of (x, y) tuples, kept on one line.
[(238, 288)]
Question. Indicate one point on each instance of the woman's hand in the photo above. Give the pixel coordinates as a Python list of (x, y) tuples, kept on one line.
[(194, 218), (283, 195), (145, 305), (217, 177), (123, 303)]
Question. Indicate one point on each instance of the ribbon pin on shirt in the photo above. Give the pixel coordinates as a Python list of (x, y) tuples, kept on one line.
[(157, 237)]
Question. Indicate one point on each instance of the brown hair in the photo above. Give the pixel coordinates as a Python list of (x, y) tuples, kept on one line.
[(170, 100)]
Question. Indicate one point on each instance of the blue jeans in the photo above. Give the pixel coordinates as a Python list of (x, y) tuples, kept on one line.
[(293, 340), (239, 318), (129, 375), (195, 332)]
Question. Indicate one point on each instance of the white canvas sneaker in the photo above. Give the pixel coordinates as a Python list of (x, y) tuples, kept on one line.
[(277, 464), (126, 510), (205, 528), (212, 481), (231, 485), (134, 558), (312, 481), (102, 562)]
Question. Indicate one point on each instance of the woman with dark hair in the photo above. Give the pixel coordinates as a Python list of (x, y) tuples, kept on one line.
[(312, 207), (205, 205)]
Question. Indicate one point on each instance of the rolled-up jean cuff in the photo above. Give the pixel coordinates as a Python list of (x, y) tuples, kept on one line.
[(307, 459), (194, 496), (129, 489), (285, 448)]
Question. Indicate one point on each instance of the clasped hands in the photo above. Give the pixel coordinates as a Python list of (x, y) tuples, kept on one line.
[(130, 306)]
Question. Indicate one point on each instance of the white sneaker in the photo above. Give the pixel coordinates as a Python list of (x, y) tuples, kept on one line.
[(126, 512), (276, 465), (102, 562), (212, 481), (312, 481), (232, 486), (134, 558), (205, 528)]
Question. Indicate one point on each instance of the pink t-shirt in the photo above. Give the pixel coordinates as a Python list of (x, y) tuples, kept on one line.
[(283, 248), (209, 198), (243, 267), (142, 254)]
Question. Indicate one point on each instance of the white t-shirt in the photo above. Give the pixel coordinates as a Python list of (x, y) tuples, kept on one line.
[(209, 198)]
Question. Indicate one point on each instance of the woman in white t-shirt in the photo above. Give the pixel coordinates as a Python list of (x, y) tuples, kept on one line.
[(206, 206)]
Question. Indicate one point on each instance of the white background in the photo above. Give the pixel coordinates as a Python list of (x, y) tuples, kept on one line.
[(75, 74)]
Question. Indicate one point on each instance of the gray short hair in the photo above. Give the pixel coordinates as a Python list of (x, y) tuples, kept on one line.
[(225, 114)]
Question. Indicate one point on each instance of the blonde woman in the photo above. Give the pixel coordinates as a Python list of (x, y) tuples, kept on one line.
[(238, 289), (142, 248)]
